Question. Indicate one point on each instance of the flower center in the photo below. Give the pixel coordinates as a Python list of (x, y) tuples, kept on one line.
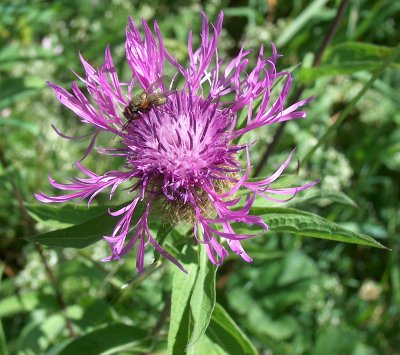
[(183, 143)]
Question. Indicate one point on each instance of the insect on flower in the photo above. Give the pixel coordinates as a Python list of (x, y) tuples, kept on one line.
[(152, 97), (183, 155)]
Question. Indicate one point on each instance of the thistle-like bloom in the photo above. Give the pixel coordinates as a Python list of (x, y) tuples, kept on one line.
[(183, 152)]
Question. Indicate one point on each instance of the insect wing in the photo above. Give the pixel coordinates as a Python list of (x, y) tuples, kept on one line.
[(157, 95), (166, 93), (156, 86), (159, 98)]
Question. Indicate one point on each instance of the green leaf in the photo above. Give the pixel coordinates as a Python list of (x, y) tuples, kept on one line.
[(207, 346), (348, 58), (110, 339), (323, 197), (202, 302), (311, 225), (358, 52), (193, 301), (225, 332), (308, 75), (16, 89), (182, 287), (338, 341), (23, 303), (65, 215), (3, 341), (83, 234), (38, 334), (310, 197), (18, 304), (12, 54), (20, 124)]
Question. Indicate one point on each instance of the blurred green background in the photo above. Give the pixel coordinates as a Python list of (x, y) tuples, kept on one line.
[(300, 296)]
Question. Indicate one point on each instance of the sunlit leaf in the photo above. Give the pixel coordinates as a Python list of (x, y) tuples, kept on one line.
[(225, 332), (12, 90), (202, 302), (338, 340), (65, 215), (82, 234), (182, 287), (323, 197), (353, 52), (311, 225), (20, 124), (348, 58), (23, 303), (38, 334), (111, 339)]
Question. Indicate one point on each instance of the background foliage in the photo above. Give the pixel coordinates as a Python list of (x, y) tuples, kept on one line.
[(300, 296)]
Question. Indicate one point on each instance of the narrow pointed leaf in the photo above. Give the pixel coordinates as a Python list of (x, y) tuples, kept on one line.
[(202, 302), (323, 197), (182, 287), (82, 234), (111, 339), (311, 225), (348, 58), (24, 303), (225, 332), (65, 215)]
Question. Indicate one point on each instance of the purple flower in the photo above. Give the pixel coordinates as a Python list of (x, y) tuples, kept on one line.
[(182, 153)]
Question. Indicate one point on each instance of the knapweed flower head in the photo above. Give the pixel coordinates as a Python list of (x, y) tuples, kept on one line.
[(182, 151)]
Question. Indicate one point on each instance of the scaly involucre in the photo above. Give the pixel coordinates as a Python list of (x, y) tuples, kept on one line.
[(182, 153)]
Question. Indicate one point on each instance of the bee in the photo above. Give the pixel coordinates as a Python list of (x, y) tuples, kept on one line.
[(152, 97)]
